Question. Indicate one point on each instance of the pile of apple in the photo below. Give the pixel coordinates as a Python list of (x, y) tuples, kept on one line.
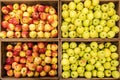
[(89, 19), (90, 60), (23, 21), (31, 59)]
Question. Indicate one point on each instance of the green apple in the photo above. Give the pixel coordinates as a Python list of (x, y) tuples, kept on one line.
[(93, 34), (87, 3), (64, 23), (101, 45), (115, 29), (65, 14), (104, 7), (94, 45), (94, 73), (77, 50), (111, 23), (78, 22), (115, 74), (73, 14), (68, 19), (104, 16), (82, 46), (71, 27), (65, 62), (80, 30), (111, 34), (107, 65), (103, 34), (73, 67), (85, 10), (88, 74), (93, 53), (111, 5), (88, 49), (106, 28), (107, 44), (65, 45), (100, 74), (99, 28), (91, 27), (100, 68), (115, 17), (107, 52), (73, 45), (81, 54), (72, 34), (89, 67), (74, 74), (96, 22), (77, 1), (70, 52), (103, 22), (82, 62), (97, 7), (87, 56), (107, 73), (65, 55), (81, 74), (114, 63), (90, 16), (111, 12), (79, 6), (66, 67), (113, 48), (113, 68), (66, 74), (114, 55), (82, 16), (108, 59), (100, 54), (97, 14), (65, 34), (72, 5), (72, 60), (86, 34), (97, 64), (86, 23), (95, 2), (64, 28), (92, 61), (64, 6), (80, 69), (102, 60)]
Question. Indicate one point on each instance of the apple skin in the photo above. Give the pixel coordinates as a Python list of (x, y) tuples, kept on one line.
[(43, 73), (5, 10), (39, 68), (18, 28), (10, 73), (30, 73), (16, 59), (25, 27), (35, 15), (47, 68), (4, 24), (52, 73), (7, 67), (9, 60), (9, 47)]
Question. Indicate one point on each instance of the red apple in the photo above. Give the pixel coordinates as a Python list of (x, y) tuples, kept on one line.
[(43, 73), (35, 48), (9, 54), (17, 34), (9, 60), (47, 68), (54, 53), (3, 34), (35, 54), (54, 66), (35, 21), (6, 17), (35, 15), (52, 10), (10, 6), (16, 59), (47, 27), (28, 52), (16, 6), (10, 73), (4, 24), (5, 10), (52, 73), (50, 18), (54, 33), (14, 64), (30, 73), (41, 45), (39, 68), (22, 60), (23, 7), (25, 27), (18, 28), (10, 20), (54, 47), (17, 74), (30, 44), (41, 8), (25, 46), (43, 16), (15, 21), (24, 34), (9, 47), (7, 67), (17, 48), (48, 60), (42, 50), (22, 54), (30, 21), (30, 59)]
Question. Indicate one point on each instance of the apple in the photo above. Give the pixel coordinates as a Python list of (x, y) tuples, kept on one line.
[(29, 9), (88, 74), (24, 71), (7, 67), (4, 24), (36, 74), (52, 73), (50, 18), (40, 34), (66, 74), (5, 10), (39, 68), (52, 10), (48, 60), (32, 27), (31, 66), (3, 34), (32, 34), (54, 60), (37, 60), (35, 54), (28, 52), (43, 73), (18, 28), (24, 34), (30, 59), (18, 67), (10, 73), (35, 15), (16, 59), (54, 33), (46, 68), (9, 60), (40, 27), (35, 48), (16, 6), (100, 74), (9, 54), (25, 27), (54, 53), (22, 60), (115, 74), (30, 73), (54, 66)]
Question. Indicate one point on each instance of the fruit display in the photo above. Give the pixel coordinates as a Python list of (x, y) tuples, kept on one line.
[(27, 59), (90, 60), (25, 21), (89, 19)]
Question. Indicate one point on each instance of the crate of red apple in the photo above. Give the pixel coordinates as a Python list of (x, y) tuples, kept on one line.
[(24, 21), (26, 59)]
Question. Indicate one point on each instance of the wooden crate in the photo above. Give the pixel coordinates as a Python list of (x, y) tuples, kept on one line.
[(57, 4)]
